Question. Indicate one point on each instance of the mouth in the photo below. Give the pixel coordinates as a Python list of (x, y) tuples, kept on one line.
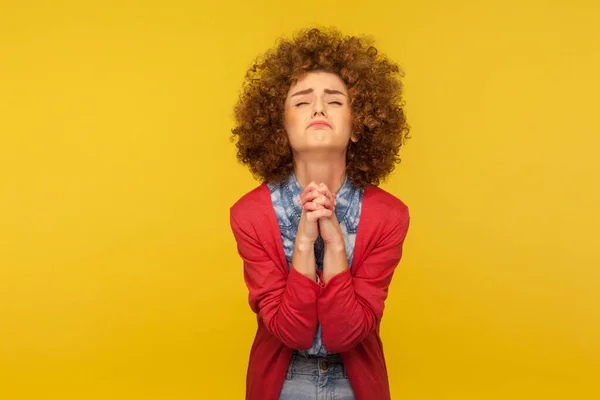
[(319, 124)]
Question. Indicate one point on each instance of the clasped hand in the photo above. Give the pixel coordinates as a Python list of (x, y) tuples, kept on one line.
[(318, 215)]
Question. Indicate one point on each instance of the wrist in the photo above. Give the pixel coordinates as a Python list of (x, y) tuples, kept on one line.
[(334, 260), (303, 259), (310, 273), (304, 245), (337, 247)]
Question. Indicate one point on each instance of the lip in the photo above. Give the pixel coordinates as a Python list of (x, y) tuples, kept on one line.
[(319, 123)]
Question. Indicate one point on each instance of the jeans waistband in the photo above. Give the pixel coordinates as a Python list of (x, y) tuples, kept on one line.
[(330, 365)]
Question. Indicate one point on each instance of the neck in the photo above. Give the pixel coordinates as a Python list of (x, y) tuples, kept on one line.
[(330, 171)]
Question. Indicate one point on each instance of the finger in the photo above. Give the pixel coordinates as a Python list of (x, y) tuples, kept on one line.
[(326, 191), (317, 214), (309, 188), (309, 196), (319, 199), (312, 216), (311, 206), (328, 196), (314, 194), (317, 204), (324, 201)]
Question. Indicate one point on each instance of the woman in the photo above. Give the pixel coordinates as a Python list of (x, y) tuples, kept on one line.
[(320, 123)]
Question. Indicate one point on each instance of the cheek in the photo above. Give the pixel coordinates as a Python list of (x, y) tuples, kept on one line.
[(346, 119), (291, 120)]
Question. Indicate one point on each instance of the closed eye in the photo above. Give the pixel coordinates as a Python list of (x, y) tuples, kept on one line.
[(339, 103)]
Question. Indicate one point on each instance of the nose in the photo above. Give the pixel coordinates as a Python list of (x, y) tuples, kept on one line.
[(319, 107)]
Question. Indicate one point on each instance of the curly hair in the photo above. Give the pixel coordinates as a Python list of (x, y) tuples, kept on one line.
[(374, 89)]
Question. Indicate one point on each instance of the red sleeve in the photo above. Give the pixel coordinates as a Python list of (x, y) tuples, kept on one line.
[(350, 307), (286, 303)]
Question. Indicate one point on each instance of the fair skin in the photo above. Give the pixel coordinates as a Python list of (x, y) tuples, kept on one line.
[(319, 127)]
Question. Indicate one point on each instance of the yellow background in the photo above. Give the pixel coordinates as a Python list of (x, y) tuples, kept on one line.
[(119, 277)]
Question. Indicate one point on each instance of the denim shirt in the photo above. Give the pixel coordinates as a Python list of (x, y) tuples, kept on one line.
[(285, 196)]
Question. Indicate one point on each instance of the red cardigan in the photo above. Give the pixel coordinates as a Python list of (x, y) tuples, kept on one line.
[(289, 305)]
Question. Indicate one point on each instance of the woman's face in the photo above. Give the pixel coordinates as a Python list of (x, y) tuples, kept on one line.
[(317, 113)]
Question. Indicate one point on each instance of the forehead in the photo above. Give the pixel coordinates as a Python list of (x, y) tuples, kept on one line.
[(319, 80)]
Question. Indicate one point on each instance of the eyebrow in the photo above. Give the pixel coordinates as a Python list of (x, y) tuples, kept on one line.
[(307, 91)]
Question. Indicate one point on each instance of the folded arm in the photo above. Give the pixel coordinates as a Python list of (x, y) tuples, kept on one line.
[(286, 303), (351, 306)]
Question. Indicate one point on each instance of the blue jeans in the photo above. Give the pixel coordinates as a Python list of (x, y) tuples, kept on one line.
[(316, 378)]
